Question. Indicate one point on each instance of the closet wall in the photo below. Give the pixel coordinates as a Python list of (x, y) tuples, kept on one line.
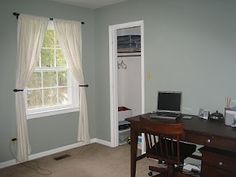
[(129, 83)]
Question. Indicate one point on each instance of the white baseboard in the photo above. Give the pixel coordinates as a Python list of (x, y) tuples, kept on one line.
[(8, 163), (54, 151), (100, 141)]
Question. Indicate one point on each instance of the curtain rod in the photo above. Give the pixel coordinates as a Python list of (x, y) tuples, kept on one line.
[(17, 15)]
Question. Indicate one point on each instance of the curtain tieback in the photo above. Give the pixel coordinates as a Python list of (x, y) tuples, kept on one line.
[(18, 90), (83, 85)]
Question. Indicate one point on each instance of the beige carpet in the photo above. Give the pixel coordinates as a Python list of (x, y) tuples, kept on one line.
[(93, 160)]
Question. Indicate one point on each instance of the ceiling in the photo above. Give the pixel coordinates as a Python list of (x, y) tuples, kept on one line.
[(92, 4)]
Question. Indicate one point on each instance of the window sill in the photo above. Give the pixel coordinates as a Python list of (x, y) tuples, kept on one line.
[(51, 112)]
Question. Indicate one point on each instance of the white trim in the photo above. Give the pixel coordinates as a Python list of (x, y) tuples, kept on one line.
[(52, 112), (54, 151), (7, 163), (43, 154), (113, 87), (142, 68), (100, 141), (113, 77)]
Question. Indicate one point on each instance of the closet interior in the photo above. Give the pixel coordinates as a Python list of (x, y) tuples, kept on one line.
[(128, 78)]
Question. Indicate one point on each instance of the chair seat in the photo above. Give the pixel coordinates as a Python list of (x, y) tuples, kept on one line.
[(186, 150)]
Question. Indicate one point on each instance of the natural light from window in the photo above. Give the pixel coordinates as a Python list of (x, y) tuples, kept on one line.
[(51, 87)]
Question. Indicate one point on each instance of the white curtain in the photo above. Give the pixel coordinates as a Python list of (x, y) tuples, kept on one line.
[(69, 37), (30, 34)]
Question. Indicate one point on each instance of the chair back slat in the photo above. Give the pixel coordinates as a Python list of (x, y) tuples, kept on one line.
[(163, 138), (172, 147), (161, 144)]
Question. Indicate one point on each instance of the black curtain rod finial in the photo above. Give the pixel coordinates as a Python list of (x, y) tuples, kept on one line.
[(17, 16)]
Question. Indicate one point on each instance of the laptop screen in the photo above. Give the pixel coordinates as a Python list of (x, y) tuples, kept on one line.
[(169, 101)]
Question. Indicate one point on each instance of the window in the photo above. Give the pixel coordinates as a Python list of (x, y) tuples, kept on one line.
[(52, 88)]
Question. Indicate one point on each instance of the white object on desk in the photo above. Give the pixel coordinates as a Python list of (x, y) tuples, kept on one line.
[(187, 117), (230, 117), (190, 167), (203, 113)]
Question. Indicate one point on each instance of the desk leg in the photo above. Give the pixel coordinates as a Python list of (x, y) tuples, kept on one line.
[(133, 150)]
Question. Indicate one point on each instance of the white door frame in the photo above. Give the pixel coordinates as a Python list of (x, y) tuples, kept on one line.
[(113, 76)]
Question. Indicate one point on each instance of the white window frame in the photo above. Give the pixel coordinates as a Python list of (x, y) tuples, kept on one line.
[(57, 109)]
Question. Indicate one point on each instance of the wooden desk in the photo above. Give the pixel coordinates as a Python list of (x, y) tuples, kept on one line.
[(210, 133)]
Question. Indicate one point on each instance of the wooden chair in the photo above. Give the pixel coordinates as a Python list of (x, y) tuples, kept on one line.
[(163, 143)]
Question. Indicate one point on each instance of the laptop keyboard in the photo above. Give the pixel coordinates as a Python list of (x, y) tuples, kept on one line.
[(154, 116), (167, 114)]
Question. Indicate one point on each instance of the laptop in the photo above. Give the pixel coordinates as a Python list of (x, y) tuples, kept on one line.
[(168, 105)]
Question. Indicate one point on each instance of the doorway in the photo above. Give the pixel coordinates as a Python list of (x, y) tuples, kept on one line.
[(125, 59)]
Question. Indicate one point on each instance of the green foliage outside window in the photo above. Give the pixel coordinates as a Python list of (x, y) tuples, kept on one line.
[(48, 85), (49, 39)]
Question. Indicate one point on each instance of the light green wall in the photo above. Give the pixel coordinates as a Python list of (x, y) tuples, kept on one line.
[(190, 45), (48, 132)]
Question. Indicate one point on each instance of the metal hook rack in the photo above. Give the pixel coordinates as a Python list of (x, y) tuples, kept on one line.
[(121, 65)]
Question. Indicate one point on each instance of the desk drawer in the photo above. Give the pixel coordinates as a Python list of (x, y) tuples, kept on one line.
[(219, 159), (182, 174), (209, 171), (211, 141)]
